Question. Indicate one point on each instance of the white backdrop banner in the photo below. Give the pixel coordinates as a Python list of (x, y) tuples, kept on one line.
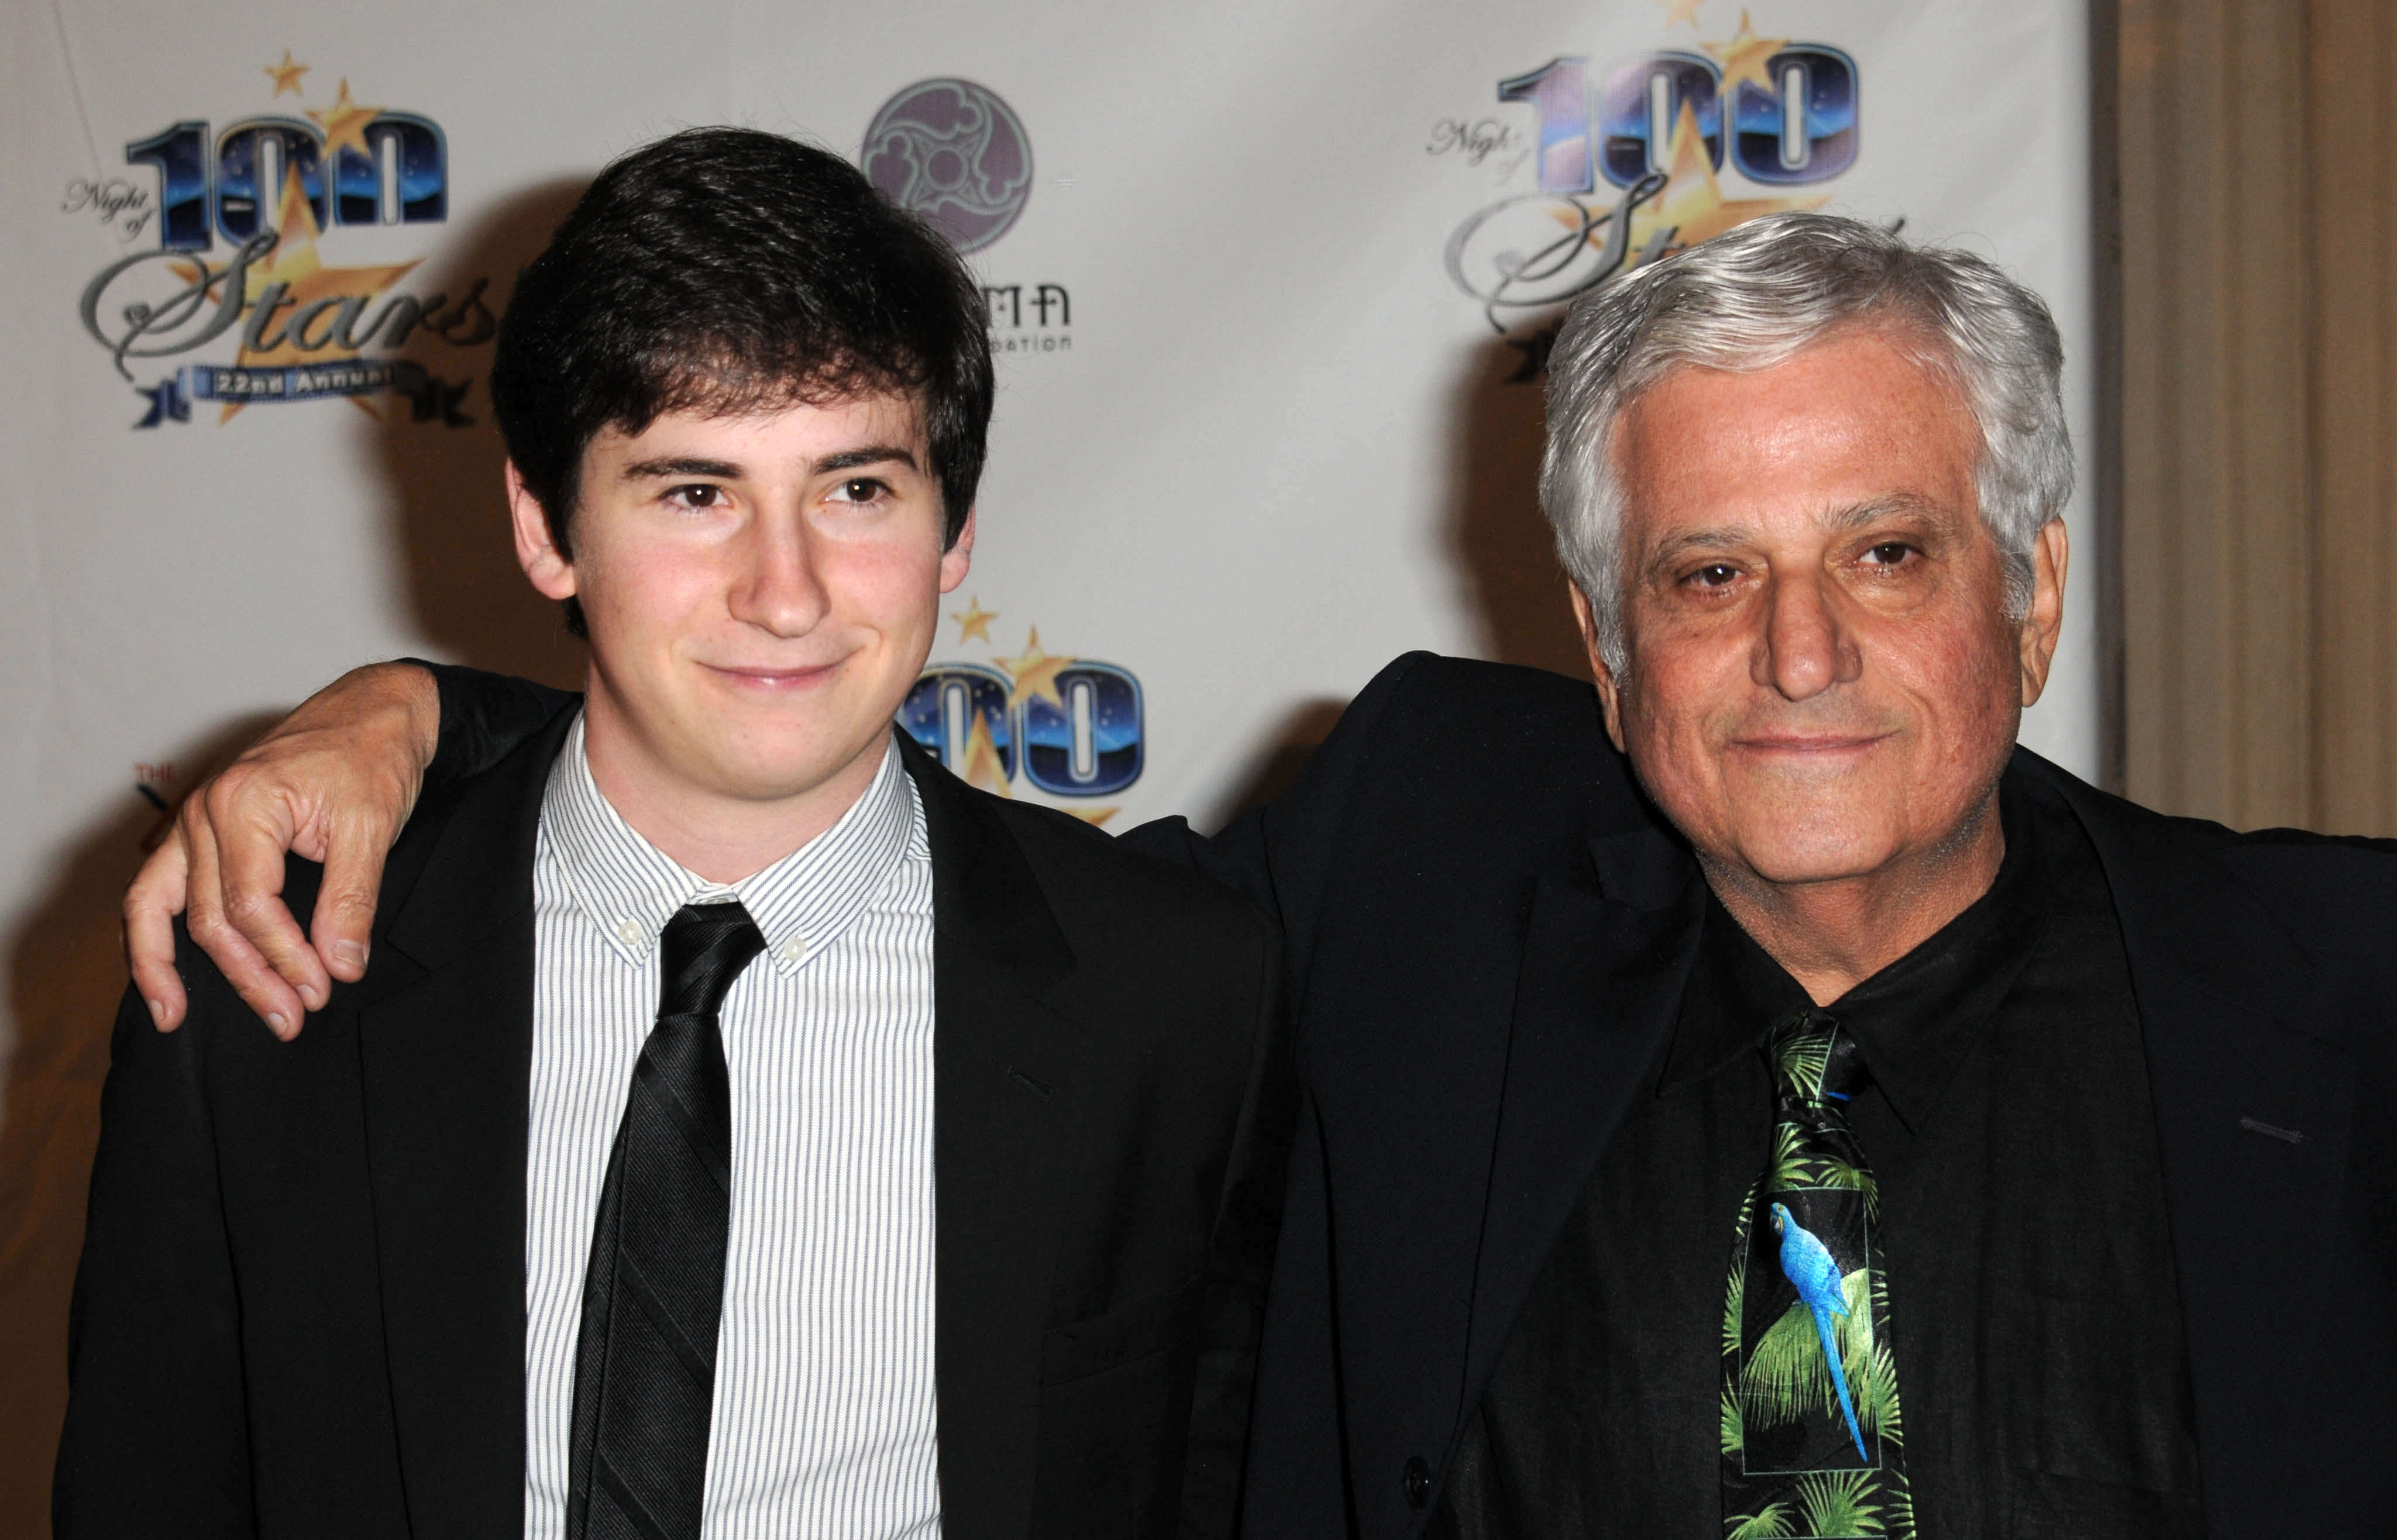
[(1271, 287)]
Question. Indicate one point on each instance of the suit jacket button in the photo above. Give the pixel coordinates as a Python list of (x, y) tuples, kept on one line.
[(1418, 1482)]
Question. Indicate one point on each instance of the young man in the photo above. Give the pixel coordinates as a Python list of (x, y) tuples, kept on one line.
[(742, 1127)]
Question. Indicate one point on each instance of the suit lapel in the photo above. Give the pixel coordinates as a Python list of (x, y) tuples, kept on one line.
[(1007, 1071), (447, 1061), (2252, 1118), (1600, 981)]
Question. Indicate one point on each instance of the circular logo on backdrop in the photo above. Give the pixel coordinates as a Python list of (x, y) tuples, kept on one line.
[(952, 152)]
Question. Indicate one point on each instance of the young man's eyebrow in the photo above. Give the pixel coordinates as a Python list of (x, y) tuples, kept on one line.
[(871, 454), (847, 460), (651, 470)]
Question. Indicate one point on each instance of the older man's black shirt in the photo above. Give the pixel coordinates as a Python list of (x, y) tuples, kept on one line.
[(2034, 1313)]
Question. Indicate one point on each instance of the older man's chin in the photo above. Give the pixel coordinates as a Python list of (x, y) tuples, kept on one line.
[(1825, 819)]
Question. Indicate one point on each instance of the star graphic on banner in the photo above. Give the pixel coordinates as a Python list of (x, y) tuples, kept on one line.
[(1743, 58), (1034, 673), (168, 403), (345, 126), (1680, 10), (287, 74), (305, 280), (983, 767), (973, 621), (1692, 207)]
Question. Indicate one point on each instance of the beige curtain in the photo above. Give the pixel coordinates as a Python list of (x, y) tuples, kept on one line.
[(2257, 421)]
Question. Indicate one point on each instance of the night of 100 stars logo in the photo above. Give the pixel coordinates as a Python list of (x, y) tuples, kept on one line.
[(1071, 727), (234, 237), (1628, 165)]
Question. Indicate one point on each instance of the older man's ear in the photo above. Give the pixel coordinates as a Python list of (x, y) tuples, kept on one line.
[(1609, 696), (2050, 554)]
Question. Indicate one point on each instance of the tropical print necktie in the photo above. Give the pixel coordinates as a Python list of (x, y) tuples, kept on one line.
[(1811, 1442)]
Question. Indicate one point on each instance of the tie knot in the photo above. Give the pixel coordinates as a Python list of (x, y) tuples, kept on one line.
[(1814, 1061), (705, 947)]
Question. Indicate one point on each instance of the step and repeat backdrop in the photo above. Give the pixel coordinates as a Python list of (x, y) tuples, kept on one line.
[(1271, 287)]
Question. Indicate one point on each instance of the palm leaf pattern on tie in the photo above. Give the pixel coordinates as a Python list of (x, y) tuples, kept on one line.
[(1803, 1059), (1838, 1503), (1787, 1378), (1772, 1522), (1794, 1167), (1789, 1444)]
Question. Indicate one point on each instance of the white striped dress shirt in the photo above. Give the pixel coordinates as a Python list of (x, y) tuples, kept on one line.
[(824, 1421)]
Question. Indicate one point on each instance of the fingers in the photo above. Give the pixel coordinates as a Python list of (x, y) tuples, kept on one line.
[(332, 782), (150, 905), (227, 943), (345, 903), (253, 829)]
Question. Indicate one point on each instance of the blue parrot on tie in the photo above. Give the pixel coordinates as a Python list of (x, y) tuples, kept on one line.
[(1806, 1262)]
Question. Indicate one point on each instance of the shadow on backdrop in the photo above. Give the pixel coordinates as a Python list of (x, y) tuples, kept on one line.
[(448, 531), (1274, 765), (449, 511), (66, 975), (1506, 559), (1502, 545)]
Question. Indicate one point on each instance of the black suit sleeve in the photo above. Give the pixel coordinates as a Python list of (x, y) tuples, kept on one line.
[(157, 1441), (1281, 855), (484, 716), (1239, 1263)]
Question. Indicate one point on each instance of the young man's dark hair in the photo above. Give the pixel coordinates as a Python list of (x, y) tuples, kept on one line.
[(726, 271)]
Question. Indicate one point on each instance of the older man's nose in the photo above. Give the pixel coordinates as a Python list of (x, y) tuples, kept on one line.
[(1804, 649), (777, 587)]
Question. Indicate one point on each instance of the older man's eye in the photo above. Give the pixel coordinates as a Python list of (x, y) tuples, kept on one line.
[(1889, 553), (1714, 575)]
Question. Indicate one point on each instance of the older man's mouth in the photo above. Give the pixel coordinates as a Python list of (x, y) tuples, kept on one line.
[(1824, 745)]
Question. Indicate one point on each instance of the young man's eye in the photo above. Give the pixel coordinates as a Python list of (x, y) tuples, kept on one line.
[(860, 489), (696, 496)]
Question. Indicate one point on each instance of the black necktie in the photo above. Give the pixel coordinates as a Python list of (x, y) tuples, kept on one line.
[(645, 1365), (1812, 1441)]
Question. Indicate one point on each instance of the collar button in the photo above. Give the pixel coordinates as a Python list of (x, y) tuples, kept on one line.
[(793, 949), (630, 934)]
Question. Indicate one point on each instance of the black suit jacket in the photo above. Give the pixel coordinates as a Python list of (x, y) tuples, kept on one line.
[(1487, 932), (300, 1306)]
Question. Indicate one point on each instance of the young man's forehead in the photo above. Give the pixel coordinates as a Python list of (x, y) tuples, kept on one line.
[(891, 418)]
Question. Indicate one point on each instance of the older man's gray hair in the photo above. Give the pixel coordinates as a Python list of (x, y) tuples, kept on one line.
[(1752, 298)]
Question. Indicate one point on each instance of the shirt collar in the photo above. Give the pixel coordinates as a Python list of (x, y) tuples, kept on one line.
[(1916, 1019), (802, 903)]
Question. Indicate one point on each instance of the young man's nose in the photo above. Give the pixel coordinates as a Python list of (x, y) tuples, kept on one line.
[(778, 586)]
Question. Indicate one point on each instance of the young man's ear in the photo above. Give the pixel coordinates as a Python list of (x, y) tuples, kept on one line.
[(953, 561), (551, 573)]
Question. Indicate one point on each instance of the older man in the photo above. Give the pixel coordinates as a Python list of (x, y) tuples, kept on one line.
[(1897, 1135)]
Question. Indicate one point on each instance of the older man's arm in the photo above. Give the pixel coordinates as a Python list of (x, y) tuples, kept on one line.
[(335, 781)]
